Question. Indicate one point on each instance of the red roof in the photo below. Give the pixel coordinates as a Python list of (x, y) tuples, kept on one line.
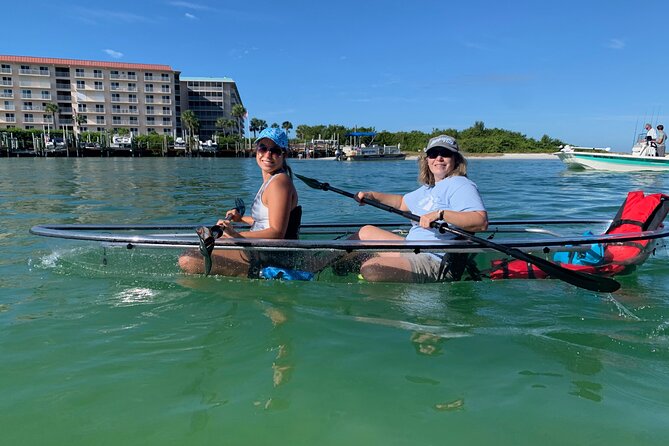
[(84, 63)]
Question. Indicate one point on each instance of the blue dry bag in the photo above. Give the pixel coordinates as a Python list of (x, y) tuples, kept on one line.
[(272, 272), (592, 257)]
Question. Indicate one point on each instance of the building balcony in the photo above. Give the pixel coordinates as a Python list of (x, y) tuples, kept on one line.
[(34, 72), (127, 89), (123, 77), (62, 97), (124, 122), (6, 120), (38, 120), (7, 107), (33, 108), (6, 94), (7, 83), (124, 100), (5, 70), (88, 75), (125, 111), (65, 121), (34, 84)]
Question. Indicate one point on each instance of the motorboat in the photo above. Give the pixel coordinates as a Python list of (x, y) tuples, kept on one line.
[(642, 158)]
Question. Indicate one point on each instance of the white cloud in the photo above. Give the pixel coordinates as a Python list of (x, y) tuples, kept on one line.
[(616, 44), (190, 5), (114, 54), (190, 16)]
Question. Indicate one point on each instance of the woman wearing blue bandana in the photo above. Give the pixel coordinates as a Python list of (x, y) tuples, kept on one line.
[(446, 195), (275, 213)]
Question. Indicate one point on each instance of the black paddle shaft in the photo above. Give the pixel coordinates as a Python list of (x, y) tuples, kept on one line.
[(582, 280)]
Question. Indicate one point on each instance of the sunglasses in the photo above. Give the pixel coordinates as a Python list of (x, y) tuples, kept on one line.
[(262, 149), (439, 151)]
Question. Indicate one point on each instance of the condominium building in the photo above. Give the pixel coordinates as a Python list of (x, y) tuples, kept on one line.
[(102, 96), (211, 98)]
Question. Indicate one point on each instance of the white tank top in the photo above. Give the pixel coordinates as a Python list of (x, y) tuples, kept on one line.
[(259, 211)]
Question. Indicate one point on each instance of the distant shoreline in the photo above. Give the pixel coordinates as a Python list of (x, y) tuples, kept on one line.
[(499, 156), (486, 156)]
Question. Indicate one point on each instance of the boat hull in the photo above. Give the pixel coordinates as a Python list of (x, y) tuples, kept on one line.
[(616, 162), (376, 157)]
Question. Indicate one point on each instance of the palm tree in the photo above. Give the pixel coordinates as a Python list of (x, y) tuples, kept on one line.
[(239, 112), (275, 125), (229, 123), (287, 125), (191, 124), (52, 109), (221, 123), (255, 125)]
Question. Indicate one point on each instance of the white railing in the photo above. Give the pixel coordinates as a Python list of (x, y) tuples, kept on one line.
[(122, 76), (33, 71)]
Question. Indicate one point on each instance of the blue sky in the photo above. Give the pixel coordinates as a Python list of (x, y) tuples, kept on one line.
[(587, 72)]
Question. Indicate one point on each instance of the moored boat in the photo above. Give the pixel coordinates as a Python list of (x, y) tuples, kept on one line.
[(357, 151)]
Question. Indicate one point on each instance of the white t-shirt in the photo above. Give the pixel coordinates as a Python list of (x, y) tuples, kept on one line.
[(652, 133), (455, 193)]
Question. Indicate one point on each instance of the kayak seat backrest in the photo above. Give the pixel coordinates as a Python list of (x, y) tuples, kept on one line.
[(637, 213), (294, 223)]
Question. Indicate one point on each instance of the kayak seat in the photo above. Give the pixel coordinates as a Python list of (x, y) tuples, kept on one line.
[(637, 213), (294, 223)]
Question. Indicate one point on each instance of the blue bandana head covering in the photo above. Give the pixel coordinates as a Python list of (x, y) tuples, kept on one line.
[(277, 135)]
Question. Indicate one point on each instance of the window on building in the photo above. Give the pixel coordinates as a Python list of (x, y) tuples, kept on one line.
[(79, 72), (81, 85)]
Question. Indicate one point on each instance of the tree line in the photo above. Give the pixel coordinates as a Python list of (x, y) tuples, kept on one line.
[(475, 139)]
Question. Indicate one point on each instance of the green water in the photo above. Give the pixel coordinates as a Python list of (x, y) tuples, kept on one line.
[(135, 353)]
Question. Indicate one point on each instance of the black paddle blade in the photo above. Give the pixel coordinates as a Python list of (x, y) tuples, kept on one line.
[(582, 280), (206, 247), (315, 184), (240, 206)]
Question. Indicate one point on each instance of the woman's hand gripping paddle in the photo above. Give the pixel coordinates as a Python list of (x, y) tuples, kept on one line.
[(582, 280), (208, 237)]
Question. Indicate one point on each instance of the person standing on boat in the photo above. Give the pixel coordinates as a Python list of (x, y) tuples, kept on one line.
[(651, 134), (661, 141), (446, 195), (275, 213)]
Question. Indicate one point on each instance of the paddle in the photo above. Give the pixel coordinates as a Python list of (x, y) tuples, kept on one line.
[(576, 278), (208, 237)]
